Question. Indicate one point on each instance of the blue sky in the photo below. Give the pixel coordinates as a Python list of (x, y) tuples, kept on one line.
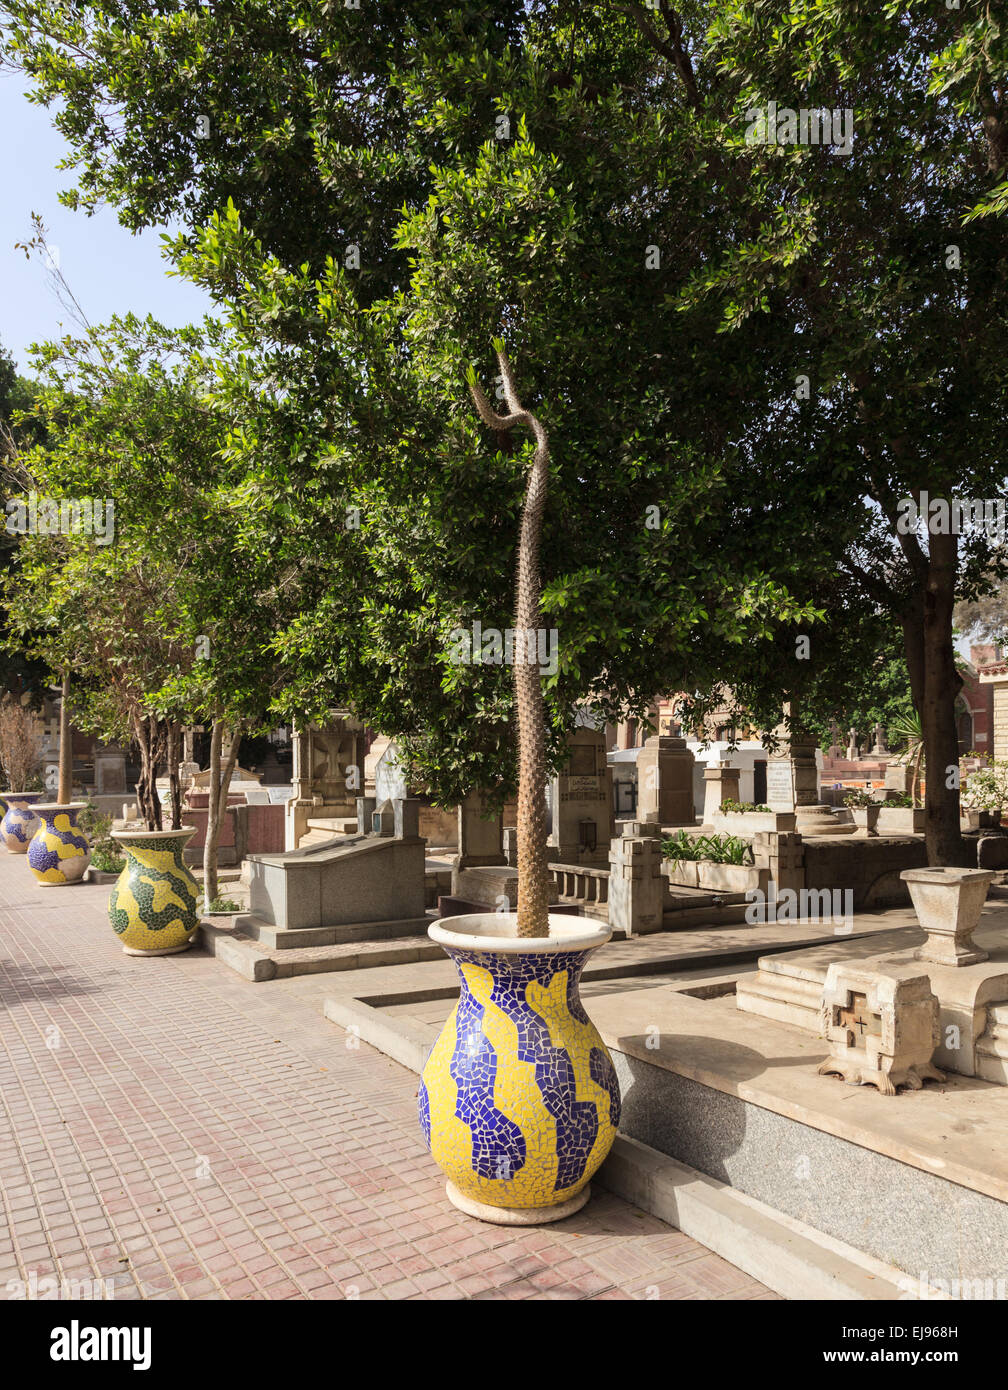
[(108, 268)]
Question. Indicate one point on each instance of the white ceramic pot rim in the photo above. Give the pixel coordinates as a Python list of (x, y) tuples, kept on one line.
[(17, 796), (57, 806), (488, 931), (187, 830)]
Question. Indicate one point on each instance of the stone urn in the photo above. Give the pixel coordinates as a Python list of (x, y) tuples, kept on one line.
[(519, 1100), (154, 907), (948, 903), (59, 852), (20, 821), (866, 818)]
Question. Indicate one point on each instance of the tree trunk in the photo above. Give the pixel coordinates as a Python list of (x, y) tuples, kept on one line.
[(220, 780), (173, 756), (148, 800), (65, 784), (534, 886), (942, 683)]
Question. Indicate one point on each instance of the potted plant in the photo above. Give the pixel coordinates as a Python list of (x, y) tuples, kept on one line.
[(154, 907), (106, 861), (865, 810), (59, 852), (519, 1101), (899, 816)]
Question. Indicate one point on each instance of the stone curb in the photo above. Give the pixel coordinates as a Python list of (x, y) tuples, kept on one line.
[(789, 1257), (396, 1039)]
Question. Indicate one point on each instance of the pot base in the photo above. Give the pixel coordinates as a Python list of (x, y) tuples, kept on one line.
[(517, 1216), (164, 950)]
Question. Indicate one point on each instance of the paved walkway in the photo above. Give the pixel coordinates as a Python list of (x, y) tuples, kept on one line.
[(185, 1134)]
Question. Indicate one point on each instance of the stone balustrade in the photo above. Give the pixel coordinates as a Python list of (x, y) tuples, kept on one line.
[(577, 883)]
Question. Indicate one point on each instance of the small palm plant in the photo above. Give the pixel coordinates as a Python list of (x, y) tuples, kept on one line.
[(906, 730), (534, 889)]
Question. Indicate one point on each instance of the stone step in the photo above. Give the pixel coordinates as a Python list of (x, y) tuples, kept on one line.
[(318, 837), (781, 998), (333, 825), (254, 961), (298, 938)]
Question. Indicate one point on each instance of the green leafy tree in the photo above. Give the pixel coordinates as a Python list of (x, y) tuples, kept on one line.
[(147, 605)]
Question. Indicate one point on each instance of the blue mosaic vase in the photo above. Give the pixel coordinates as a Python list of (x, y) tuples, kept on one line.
[(59, 852), (20, 822), (519, 1101)]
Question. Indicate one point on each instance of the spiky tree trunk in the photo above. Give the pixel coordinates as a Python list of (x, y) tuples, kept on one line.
[(534, 889)]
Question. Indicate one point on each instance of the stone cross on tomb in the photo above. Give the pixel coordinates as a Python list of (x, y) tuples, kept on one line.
[(859, 1021)]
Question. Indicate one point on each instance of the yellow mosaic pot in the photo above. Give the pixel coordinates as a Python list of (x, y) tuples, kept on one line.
[(154, 906), (519, 1100), (59, 852)]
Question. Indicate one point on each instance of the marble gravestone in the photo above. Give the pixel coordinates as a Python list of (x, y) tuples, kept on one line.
[(793, 785)]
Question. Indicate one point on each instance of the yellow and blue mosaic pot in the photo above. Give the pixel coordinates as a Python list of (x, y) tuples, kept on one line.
[(20, 822), (519, 1101), (59, 852), (154, 906)]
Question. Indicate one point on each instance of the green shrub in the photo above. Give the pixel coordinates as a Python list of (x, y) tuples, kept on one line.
[(224, 905), (717, 849), (106, 861), (94, 823), (898, 799), (738, 808)]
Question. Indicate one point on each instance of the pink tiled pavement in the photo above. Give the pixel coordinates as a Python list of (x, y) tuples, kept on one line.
[(186, 1134)]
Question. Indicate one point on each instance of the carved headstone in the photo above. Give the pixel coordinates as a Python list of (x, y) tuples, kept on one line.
[(582, 809)]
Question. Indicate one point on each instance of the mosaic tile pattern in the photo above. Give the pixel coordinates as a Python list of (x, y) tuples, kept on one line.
[(154, 904), (195, 1136), (59, 851), (519, 1102), (20, 822)]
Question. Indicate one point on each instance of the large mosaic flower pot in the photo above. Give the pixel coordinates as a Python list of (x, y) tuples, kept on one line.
[(20, 821), (59, 852), (154, 906), (519, 1101)]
